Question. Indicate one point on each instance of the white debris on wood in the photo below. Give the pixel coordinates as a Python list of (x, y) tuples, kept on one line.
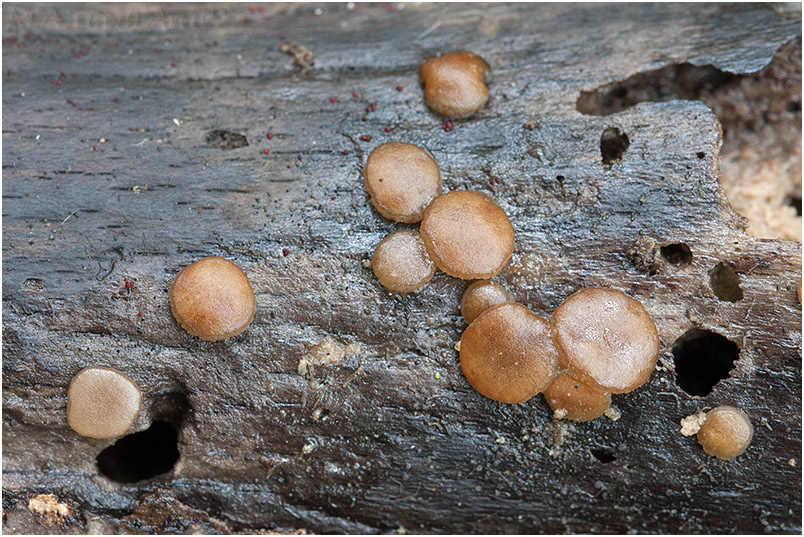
[(693, 423)]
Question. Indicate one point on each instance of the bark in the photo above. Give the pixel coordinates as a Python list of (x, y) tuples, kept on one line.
[(343, 408)]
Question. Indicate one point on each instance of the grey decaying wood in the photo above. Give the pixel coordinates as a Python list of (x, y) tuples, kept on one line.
[(374, 442)]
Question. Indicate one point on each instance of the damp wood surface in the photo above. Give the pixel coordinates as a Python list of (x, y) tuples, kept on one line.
[(342, 408)]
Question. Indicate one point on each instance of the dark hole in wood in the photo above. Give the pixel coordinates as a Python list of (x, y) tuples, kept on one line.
[(678, 81), (141, 455), (613, 144), (700, 154), (603, 455), (794, 201), (725, 283), (793, 106), (677, 254), (702, 359), (226, 139)]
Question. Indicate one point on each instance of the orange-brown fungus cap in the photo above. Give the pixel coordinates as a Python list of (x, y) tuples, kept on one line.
[(212, 299), (507, 354), (402, 179), (606, 338), (482, 295), (455, 83), (401, 263), (467, 234), (575, 400), (102, 402), (726, 432)]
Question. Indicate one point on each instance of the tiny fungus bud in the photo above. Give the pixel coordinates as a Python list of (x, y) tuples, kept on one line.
[(402, 179), (212, 299), (606, 338), (102, 402), (507, 355), (726, 432), (579, 401), (467, 234), (401, 263), (482, 295), (455, 83)]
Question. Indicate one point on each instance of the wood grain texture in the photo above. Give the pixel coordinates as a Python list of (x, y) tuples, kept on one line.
[(374, 442)]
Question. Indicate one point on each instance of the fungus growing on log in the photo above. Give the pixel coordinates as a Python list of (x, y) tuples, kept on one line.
[(402, 179), (482, 295), (212, 299), (102, 402), (401, 262), (467, 234), (726, 432), (507, 355), (455, 83), (606, 339), (575, 400)]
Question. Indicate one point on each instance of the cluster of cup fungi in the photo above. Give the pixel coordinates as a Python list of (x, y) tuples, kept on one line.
[(599, 341)]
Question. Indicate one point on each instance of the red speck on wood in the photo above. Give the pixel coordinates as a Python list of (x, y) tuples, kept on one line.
[(387, 129), (355, 95), (173, 64), (448, 126), (269, 136), (332, 99), (399, 88), (58, 82), (139, 314), (365, 138), (264, 151), (94, 148)]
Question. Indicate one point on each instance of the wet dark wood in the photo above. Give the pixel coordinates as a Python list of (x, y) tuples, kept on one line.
[(391, 437)]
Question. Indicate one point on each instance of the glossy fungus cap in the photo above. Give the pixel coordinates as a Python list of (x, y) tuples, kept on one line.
[(605, 338), (102, 402), (482, 295), (401, 262), (455, 83), (467, 234), (507, 354), (402, 179), (212, 299)]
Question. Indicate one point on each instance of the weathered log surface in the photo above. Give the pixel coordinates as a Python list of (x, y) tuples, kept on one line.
[(391, 436)]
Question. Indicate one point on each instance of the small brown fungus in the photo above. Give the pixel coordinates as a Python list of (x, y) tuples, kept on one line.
[(482, 295), (606, 338), (102, 402), (455, 83), (726, 432), (467, 234), (402, 179), (212, 299), (401, 262), (507, 355), (575, 400)]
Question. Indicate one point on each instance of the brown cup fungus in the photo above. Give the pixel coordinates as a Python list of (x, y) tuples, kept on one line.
[(401, 263), (467, 234), (482, 295), (575, 400), (606, 339), (726, 432), (102, 402), (402, 179), (455, 83), (212, 299), (507, 354)]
